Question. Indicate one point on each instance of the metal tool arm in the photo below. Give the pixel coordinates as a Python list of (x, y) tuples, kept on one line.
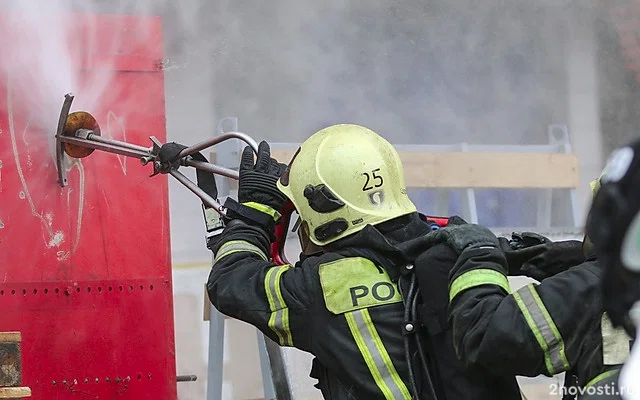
[(213, 141)]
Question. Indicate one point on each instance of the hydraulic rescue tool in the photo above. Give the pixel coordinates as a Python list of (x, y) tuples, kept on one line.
[(78, 135)]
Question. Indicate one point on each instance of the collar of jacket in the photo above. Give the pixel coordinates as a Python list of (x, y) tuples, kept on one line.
[(391, 244)]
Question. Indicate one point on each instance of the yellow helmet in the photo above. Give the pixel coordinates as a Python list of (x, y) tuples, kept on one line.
[(342, 178)]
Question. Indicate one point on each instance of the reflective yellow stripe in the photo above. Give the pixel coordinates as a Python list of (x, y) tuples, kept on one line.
[(601, 377), (235, 246), (375, 356), (478, 277), (264, 209), (543, 328), (279, 319)]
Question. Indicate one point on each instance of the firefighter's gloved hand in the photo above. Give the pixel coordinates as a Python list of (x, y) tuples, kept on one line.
[(521, 240), (464, 237), (257, 184), (551, 259), (538, 257), (522, 247)]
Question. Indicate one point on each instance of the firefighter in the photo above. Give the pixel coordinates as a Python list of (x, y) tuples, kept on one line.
[(345, 302), (557, 325), (613, 225)]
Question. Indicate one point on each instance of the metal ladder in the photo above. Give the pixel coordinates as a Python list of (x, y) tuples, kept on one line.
[(274, 374)]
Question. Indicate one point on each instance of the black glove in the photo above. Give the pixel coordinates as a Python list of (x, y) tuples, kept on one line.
[(556, 257), (259, 199), (463, 237), (258, 181), (522, 240), (533, 255)]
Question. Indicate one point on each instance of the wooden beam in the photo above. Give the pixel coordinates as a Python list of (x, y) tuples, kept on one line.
[(10, 337), (14, 392), (479, 170), (490, 170)]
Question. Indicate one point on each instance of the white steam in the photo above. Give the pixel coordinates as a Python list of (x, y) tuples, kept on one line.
[(53, 47)]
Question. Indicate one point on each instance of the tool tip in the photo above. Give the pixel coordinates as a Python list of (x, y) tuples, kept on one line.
[(75, 121)]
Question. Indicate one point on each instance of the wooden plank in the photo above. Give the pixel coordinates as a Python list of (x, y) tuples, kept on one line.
[(15, 392), (457, 170), (490, 170), (10, 337)]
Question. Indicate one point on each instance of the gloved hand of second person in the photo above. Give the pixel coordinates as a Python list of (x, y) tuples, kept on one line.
[(522, 247), (522, 240), (464, 237), (536, 256), (545, 260), (257, 183)]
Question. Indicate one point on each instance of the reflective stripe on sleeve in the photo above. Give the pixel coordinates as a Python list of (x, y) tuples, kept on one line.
[(279, 319), (375, 355), (235, 246), (601, 377), (264, 209), (477, 277), (543, 328)]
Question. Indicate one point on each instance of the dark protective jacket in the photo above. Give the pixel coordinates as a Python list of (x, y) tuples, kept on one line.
[(344, 307), (556, 326)]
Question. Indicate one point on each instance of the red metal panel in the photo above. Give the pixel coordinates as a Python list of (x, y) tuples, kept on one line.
[(100, 338), (85, 270)]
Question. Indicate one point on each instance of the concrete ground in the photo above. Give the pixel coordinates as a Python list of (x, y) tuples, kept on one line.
[(242, 379)]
